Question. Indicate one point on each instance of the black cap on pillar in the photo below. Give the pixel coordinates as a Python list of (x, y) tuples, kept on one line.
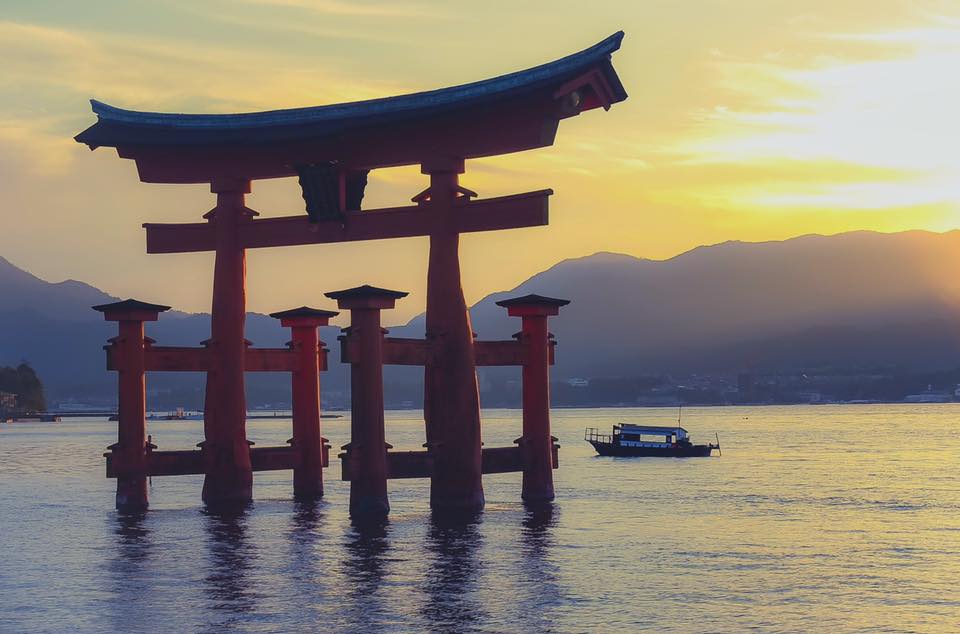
[(305, 316), (366, 296), (131, 310), (532, 305)]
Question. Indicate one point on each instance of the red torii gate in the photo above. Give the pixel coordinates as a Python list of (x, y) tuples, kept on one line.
[(131, 459), (332, 148)]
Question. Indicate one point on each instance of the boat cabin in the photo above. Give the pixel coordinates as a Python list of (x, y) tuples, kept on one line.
[(628, 435)]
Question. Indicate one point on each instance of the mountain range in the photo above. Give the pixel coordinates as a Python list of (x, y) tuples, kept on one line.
[(847, 301)]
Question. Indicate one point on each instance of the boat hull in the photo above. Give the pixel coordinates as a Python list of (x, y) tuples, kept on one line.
[(691, 451)]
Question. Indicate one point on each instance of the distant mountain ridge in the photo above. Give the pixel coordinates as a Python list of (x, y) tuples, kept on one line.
[(852, 299), (25, 291), (704, 309)]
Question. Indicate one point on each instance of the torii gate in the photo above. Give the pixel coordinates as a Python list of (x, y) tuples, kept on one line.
[(332, 149)]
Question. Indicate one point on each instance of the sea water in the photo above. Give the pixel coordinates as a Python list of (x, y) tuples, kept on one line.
[(814, 519)]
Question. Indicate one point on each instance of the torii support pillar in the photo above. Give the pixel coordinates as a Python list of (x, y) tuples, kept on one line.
[(229, 473), (367, 449), (451, 392), (536, 443), (307, 438), (129, 455)]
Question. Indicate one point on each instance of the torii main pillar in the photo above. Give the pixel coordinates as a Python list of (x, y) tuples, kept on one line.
[(229, 473), (451, 394)]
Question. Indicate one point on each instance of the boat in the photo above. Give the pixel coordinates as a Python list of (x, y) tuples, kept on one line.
[(647, 440)]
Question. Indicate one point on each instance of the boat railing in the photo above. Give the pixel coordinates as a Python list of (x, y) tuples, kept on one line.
[(592, 434)]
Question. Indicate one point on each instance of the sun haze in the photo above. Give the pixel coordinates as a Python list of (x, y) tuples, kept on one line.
[(764, 123)]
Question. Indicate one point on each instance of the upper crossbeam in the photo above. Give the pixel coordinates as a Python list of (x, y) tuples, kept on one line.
[(505, 212)]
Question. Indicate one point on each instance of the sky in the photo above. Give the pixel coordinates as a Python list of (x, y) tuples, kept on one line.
[(749, 120)]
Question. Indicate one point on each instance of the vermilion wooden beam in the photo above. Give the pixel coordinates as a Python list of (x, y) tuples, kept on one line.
[(509, 352), (400, 464), (419, 464), (396, 351), (505, 212), (190, 462), (165, 359), (177, 359), (185, 359), (270, 360), (401, 351)]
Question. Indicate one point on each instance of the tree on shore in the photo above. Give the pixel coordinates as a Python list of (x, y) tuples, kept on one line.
[(24, 382)]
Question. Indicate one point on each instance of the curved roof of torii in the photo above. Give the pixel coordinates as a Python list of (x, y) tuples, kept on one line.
[(134, 133)]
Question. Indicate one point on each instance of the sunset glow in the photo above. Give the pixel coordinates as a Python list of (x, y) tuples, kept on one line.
[(787, 123)]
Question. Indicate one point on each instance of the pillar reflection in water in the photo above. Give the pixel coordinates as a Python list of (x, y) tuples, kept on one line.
[(129, 569), (306, 519), (230, 559), (133, 538), (305, 567), (453, 572), (538, 571), (367, 548)]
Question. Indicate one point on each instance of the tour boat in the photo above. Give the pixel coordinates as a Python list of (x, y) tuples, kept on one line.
[(644, 440)]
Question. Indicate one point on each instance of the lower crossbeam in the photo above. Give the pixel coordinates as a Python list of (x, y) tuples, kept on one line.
[(190, 462), (419, 464)]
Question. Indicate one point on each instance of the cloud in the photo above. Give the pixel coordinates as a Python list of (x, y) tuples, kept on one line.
[(159, 73), (311, 22), (361, 9), (868, 133), (38, 151)]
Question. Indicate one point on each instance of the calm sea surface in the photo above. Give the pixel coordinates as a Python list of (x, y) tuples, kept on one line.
[(815, 519)]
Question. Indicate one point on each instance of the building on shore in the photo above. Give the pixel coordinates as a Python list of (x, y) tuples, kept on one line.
[(8, 402)]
